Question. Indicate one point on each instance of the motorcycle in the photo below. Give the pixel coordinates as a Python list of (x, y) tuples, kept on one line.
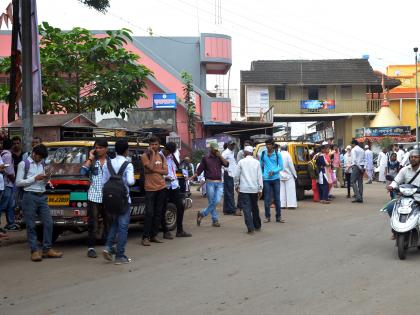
[(405, 218)]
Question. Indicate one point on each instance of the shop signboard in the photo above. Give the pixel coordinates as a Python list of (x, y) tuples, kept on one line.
[(383, 131), (317, 104), (257, 99), (164, 100)]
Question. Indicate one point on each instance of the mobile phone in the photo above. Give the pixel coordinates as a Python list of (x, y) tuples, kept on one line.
[(6, 165)]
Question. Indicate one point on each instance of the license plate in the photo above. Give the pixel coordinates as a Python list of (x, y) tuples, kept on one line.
[(58, 200)]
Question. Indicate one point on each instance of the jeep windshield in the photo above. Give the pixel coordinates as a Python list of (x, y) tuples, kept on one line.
[(66, 161)]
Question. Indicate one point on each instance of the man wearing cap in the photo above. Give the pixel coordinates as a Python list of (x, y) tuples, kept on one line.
[(249, 185), (369, 164), (211, 164), (228, 186), (357, 170)]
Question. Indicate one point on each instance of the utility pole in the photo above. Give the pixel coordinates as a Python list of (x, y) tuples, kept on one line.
[(27, 84)]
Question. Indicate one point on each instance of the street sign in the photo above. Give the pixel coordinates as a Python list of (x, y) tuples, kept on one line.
[(175, 139), (164, 100)]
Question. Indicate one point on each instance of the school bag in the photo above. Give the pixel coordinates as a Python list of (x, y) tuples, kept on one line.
[(115, 194), (313, 169)]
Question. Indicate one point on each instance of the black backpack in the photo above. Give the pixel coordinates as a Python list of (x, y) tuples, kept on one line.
[(115, 194)]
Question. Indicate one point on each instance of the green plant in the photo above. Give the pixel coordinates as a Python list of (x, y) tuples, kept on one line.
[(189, 102), (4, 88), (386, 142)]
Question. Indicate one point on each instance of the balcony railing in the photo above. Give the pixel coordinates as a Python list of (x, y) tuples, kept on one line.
[(341, 106)]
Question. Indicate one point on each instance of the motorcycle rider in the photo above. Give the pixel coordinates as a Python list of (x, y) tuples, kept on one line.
[(409, 174)]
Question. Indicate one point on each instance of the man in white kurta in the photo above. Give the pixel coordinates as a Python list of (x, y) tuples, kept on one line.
[(382, 164), (369, 164), (287, 177)]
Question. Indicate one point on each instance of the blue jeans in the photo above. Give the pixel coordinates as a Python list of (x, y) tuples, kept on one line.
[(119, 230), (31, 205), (272, 187), (390, 206), (7, 204), (214, 194), (229, 195)]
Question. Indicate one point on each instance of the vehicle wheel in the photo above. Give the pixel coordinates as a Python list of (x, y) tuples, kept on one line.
[(402, 246), (171, 216), (40, 233), (300, 193)]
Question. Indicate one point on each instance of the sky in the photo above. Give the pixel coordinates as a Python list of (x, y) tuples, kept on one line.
[(264, 29)]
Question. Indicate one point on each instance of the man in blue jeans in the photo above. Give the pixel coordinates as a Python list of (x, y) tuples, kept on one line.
[(271, 165), (119, 225), (211, 164)]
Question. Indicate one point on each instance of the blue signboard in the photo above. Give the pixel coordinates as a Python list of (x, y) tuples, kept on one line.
[(317, 104), (386, 131), (164, 101)]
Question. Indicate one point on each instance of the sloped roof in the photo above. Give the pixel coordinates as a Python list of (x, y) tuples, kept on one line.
[(117, 123), (314, 72), (58, 120)]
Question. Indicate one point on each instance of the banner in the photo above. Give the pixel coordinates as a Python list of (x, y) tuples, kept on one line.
[(317, 104), (383, 131)]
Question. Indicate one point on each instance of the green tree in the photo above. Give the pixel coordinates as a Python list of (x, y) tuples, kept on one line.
[(83, 73), (189, 102), (100, 5), (4, 88)]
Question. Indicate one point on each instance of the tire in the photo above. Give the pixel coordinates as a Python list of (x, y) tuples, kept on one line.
[(40, 234), (402, 246), (300, 193), (171, 216)]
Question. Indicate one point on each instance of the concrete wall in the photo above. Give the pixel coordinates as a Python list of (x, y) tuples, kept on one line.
[(408, 111), (333, 92)]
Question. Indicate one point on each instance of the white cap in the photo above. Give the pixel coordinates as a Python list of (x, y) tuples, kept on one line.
[(325, 143), (249, 149), (366, 146), (348, 147)]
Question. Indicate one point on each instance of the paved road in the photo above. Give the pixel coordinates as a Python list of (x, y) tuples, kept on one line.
[(331, 259)]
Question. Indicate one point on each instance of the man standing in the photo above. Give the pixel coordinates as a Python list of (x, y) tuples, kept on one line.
[(35, 203), (96, 167), (382, 164), (17, 153), (369, 164), (287, 178), (241, 153), (406, 159), (173, 189), (228, 185), (155, 168), (119, 225), (249, 184), (212, 164), (35, 141), (336, 163), (357, 170), (399, 149), (271, 165)]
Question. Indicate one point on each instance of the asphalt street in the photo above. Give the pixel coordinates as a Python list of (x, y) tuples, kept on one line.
[(326, 259)]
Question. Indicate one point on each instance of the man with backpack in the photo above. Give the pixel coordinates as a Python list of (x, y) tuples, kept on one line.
[(155, 168), (32, 178), (96, 167), (116, 200), (271, 165)]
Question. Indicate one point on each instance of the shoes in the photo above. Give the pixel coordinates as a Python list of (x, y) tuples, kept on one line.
[(36, 256), (91, 253), (183, 234), (348, 196), (238, 213), (267, 220), (52, 254), (369, 182), (216, 224), (199, 218), (251, 232), (280, 220), (168, 236), (12, 227), (108, 255), (258, 230), (145, 242), (154, 239), (357, 200), (122, 260)]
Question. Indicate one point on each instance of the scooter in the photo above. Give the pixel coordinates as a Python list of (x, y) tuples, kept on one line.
[(405, 218)]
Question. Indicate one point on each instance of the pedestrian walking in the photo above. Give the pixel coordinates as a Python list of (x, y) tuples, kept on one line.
[(271, 165), (249, 185), (399, 150), (382, 163), (212, 164), (119, 222), (313, 174), (358, 162), (155, 168), (392, 170), (8, 201), (406, 159), (33, 180), (337, 166), (17, 152), (241, 153), (229, 207), (287, 181), (172, 188), (3, 232), (347, 169), (202, 183), (97, 169), (369, 164), (324, 180)]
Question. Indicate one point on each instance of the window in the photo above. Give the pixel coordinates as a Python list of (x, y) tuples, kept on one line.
[(313, 93), (346, 92), (280, 92), (322, 94), (301, 154)]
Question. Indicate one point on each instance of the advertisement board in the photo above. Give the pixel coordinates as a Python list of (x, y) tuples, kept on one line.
[(383, 131), (164, 101), (257, 99), (317, 104)]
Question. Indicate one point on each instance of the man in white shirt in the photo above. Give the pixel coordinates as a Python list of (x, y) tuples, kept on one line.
[(369, 164), (119, 226), (399, 149), (357, 170), (33, 180), (287, 177), (228, 187), (249, 184), (406, 159)]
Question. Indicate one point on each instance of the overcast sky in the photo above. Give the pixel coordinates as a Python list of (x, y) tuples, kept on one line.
[(264, 29)]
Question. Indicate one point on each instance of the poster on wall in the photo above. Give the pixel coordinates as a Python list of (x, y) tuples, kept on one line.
[(257, 99), (317, 104)]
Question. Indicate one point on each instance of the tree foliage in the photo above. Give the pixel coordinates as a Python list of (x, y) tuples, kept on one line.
[(83, 73), (189, 102), (100, 5), (4, 88)]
